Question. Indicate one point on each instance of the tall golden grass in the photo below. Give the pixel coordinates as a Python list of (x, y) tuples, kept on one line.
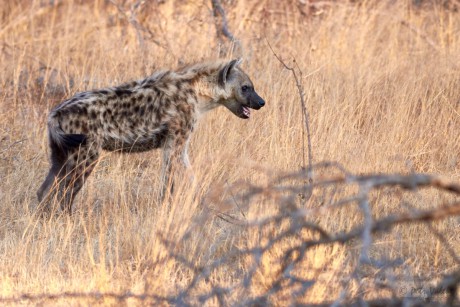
[(381, 81)]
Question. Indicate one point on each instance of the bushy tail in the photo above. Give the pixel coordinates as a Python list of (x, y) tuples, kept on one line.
[(59, 140)]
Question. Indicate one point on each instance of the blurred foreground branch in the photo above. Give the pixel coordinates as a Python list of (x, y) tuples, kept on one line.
[(298, 231)]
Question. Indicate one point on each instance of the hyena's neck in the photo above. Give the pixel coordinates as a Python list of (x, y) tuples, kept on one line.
[(209, 95)]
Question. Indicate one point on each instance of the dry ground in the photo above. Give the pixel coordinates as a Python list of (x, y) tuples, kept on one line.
[(382, 88)]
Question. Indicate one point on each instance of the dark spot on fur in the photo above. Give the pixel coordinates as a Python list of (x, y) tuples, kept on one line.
[(93, 114), (175, 98), (149, 99), (189, 92), (72, 109), (121, 92), (92, 155), (82, 110), (132, 126), (141, 111), (166, 103)]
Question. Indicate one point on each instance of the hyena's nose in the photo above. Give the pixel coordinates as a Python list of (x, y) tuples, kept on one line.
[(261, 103)]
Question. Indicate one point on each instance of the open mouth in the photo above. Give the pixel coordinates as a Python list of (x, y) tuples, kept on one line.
[(245, 112)]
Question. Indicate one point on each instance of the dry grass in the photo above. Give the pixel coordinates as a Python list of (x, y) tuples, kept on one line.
[(382, 91)]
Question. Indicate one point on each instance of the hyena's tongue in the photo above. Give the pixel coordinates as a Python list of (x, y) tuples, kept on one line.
[(246, 111)]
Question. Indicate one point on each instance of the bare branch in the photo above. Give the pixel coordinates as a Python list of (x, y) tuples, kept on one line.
[(222, 24), (305, 116), (131, 18)]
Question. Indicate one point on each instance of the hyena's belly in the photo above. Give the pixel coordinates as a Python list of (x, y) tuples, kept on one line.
[(137, 141)]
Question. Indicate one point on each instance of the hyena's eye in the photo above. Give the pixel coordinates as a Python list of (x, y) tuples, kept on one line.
[(245, 88)]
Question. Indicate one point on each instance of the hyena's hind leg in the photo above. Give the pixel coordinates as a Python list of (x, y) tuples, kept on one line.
[(79, 165), (59, 156), (72, 161)]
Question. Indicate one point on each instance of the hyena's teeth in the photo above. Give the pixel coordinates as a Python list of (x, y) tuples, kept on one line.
[(246, 111)]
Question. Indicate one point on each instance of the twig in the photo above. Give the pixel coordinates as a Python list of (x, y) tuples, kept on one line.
[(131, 18), (236, 203), (368, 223), (305, 116)]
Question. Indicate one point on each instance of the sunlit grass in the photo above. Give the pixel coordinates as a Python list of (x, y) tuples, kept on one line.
[(382, 90)]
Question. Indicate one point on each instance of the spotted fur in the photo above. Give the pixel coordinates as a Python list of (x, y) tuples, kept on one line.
[(160, 111)]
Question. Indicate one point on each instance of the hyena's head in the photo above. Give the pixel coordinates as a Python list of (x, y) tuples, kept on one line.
[(239, 90)]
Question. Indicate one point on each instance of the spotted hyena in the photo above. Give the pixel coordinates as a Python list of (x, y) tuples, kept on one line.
[(160, 111)]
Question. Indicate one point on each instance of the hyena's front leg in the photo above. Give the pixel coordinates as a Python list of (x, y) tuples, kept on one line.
[(175, 163)]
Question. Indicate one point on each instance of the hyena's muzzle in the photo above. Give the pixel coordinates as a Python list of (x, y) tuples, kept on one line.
[(253, 101)]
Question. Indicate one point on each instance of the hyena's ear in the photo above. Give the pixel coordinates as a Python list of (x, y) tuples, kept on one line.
[(224, 74)]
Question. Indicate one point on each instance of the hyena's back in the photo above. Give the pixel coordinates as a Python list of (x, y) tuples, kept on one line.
[(132, 119)]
